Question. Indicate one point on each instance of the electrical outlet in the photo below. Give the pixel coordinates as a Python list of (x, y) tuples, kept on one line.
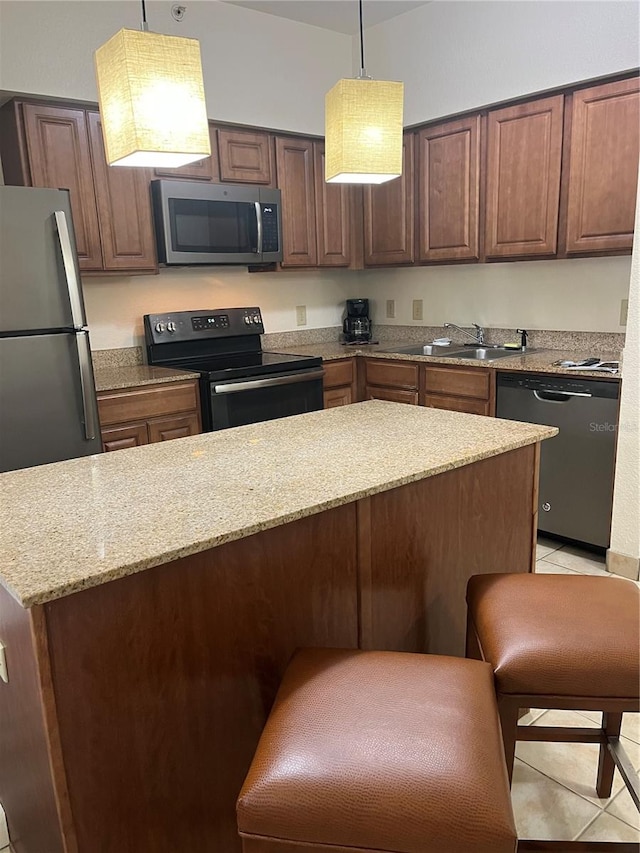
[(624, 311), (417, 309), (301, 315), (391, 308)]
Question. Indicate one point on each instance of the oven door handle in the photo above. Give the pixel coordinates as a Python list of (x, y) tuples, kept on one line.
[(251, 384)]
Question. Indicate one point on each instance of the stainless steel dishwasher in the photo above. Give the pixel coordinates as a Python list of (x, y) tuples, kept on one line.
[(577, 466)]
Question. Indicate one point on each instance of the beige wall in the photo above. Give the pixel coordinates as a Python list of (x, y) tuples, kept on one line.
[(115, 305), (625, 530), (581, 295)]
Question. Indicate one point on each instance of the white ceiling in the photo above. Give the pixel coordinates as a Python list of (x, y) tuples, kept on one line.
[(338, 15)]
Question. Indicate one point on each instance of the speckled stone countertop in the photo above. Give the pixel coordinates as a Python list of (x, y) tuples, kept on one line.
[(534, 362), (81, 523), (131, 376)]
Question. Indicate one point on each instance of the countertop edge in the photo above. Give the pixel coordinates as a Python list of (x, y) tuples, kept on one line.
[(277, 521)]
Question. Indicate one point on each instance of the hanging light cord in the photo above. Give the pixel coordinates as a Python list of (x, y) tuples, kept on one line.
[(144, 26), (363, 71)]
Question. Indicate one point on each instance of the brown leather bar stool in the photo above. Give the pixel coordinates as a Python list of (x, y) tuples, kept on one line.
[(565, 642), (379, 751)]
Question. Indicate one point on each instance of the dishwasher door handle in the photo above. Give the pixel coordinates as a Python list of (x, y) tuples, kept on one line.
[(558, 396)]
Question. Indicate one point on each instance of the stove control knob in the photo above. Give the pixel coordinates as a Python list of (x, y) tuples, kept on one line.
[(171, 327), (256, 318), (159, 328), (247, 319)]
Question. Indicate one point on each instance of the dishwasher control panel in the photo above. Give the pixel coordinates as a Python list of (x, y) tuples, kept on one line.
[(561, 384)]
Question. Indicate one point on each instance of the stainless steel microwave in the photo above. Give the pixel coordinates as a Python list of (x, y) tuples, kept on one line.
[(198, 223)]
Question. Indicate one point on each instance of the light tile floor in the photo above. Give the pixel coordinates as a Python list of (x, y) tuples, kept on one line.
[(553, 788)]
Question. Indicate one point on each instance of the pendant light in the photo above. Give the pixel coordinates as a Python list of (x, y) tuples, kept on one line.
[(151, 96), (363, 128)]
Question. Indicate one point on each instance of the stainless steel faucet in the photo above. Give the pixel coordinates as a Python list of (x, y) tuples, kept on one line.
[(478, 337)]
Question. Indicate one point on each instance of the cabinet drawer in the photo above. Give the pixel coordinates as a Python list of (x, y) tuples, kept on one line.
[(457, 404), (394, 395), (117, 407), (337, 373), (458, 383), (396, 373)]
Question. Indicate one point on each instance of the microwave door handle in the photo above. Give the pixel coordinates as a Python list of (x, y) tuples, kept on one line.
[(258, 207)]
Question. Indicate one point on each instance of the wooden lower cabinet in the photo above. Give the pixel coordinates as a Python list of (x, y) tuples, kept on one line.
[(123, 437), (147, 414), (339, 382), (396, 381), (459, 389)]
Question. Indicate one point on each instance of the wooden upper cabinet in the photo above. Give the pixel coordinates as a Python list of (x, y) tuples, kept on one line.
[(124, 209), (245, 157), (449, 190), (389, 217), (202, 170), (523, 178), (294, 158), (603, 167), (333, 212), (59, 157)]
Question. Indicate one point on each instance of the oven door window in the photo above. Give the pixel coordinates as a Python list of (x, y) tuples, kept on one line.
[(238, 407), (213, 227)]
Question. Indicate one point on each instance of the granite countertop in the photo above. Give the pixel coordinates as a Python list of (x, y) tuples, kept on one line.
[(541, 361), (131, 376), (81, 523)]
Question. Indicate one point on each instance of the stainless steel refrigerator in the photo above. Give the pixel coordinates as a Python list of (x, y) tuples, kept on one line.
[(48, 408)]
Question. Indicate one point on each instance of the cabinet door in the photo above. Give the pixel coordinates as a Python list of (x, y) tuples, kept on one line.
[(603, 167), (245, 157), (121, 437), (59, 157), (201, 170), (394, 395), (449, 190), (332, 217), (457, 404), (294, 159), (124, 209), (389, 218), (338, 397), (523, 178), (165, 429)]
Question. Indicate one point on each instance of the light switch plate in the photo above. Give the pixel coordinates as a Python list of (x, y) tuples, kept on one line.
[(417, 309), (391, 308), (301, 315), (624, 311), (4, 674)]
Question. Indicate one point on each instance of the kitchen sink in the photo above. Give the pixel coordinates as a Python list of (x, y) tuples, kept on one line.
[(486, 353), (420, 349)]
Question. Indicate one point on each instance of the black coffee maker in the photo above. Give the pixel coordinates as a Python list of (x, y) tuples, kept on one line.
[(357, 325)]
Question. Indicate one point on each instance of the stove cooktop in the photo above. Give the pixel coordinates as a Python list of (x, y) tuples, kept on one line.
[(245, 365)]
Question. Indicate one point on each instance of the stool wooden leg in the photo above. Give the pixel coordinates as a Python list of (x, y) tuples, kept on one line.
[(508, 711), (611, 724)]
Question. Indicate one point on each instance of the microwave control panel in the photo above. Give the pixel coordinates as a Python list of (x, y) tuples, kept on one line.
[(270, 242)]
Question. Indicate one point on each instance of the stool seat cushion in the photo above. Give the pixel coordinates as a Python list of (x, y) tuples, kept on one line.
[(380, 751), (558, 634)]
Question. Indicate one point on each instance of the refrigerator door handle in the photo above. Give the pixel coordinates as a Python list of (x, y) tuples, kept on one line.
[(86, 385), (70, 269)]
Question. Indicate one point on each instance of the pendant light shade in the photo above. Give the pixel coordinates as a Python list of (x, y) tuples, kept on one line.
[(363, 131), (152, 101)]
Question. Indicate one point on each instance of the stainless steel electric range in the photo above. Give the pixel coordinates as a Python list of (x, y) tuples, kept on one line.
[(239, 382)]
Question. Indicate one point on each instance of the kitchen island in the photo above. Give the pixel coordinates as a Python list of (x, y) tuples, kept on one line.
[(152, 598)]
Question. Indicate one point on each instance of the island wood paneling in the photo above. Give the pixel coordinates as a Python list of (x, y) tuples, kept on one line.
[(413, 575), (177, 668), (28, 786)]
